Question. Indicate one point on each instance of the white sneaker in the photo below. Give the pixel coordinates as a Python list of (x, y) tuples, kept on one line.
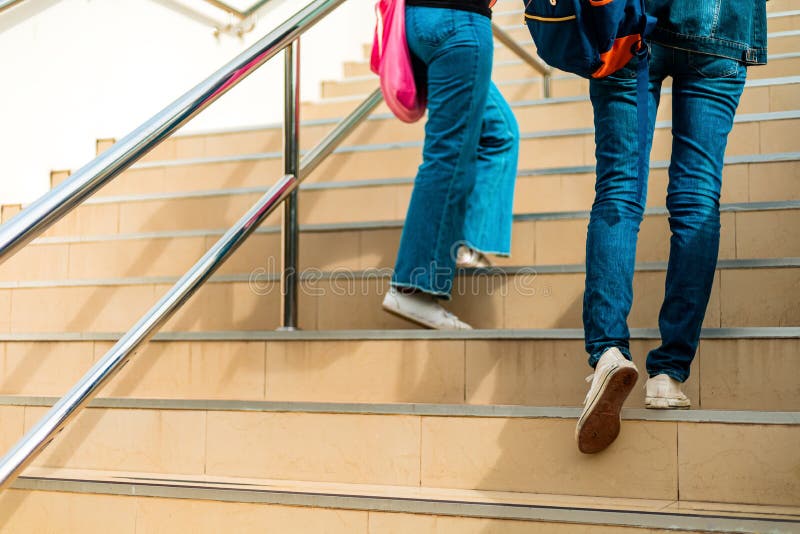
[(468, 258), (664, 393), (423, 309), (612, 381)]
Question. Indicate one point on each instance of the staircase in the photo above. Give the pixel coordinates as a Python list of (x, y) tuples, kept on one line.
[(361, 423)]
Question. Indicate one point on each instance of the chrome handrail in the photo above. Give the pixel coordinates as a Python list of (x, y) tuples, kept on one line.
[(539, 65), (56, 419), (50, 208), (8, 4)]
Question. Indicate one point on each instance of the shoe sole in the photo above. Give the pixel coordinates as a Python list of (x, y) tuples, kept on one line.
[(600, 422), (415, 320), (410, 318), (658, 403)]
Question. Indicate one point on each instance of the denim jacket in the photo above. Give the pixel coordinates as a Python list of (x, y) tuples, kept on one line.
[(735, 29)]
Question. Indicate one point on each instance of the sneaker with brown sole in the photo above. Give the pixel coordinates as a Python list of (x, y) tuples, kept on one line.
[(612, 382)]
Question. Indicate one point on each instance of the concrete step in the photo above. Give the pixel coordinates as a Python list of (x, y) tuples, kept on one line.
[(157, 503), (762, 96), (515, 92), (492, 448), (787, 41), (517, 80), (521, 86), (736, 369), (749, 231), (746, 293), (754, 179), (783, 21), (760, 133), (774, 6)]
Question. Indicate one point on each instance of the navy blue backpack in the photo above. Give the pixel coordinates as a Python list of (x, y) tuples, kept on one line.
[(593, 39)]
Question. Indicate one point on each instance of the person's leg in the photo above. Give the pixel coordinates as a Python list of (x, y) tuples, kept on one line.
[(617, 211), (488, 221), (705, 94), (611, 249), (456, 46)]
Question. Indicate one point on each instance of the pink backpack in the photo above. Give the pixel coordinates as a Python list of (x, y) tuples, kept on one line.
[(391, 60)]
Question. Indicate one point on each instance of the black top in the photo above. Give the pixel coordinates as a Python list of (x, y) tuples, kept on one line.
[(476, 6)]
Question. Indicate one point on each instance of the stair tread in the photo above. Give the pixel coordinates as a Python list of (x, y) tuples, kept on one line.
[(508, 412), (121, 482), (372, 274), (740, 119), (776, 332), (776, 157), (734, 207), (554, 101)]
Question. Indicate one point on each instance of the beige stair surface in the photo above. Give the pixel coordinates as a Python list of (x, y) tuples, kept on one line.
[(493, 448), (519, 367), (760, 96), (749, 231), (753, 134), (517, 80), (754, 179), (332, 107), (746, 293), (361, 422), (750, 183), (210, 504)]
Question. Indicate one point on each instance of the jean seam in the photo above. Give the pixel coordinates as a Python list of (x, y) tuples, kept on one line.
[(447, 209)]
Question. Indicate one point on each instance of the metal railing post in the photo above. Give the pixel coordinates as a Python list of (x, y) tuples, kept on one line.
[(534, 61), (291, 155)]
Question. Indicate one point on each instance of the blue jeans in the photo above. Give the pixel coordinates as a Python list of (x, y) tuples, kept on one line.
[(464, 189), (705, 94)]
